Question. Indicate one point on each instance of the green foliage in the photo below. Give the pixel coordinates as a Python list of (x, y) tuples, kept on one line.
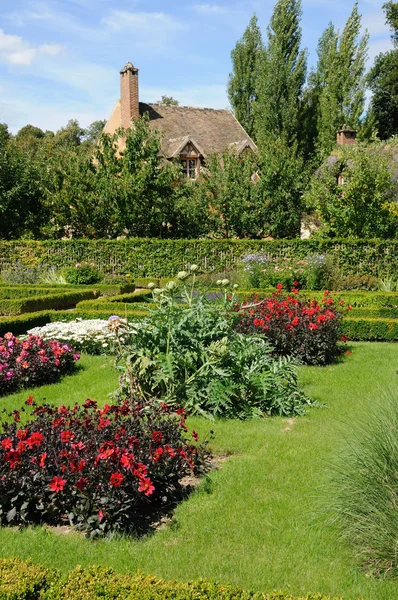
[(282, 72), (233, 201), (188, 352), (154, 259), (23, 580), (370, 329), (383, 81), (283, 177), (22, 209), (243, 80), (336, 89), (365, 204), (364, 492), (82, 274), (55, 301), (19, 579)]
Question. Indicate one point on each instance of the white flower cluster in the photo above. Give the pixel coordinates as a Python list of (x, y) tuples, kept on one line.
[(93, 336)]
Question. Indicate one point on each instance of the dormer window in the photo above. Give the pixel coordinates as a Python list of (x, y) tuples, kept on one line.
[(190, 167)]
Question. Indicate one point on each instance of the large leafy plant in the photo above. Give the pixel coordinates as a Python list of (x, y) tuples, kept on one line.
[(189, 352)]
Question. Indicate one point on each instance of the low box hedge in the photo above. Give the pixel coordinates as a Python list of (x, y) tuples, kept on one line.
[(368, 329), (353, 299), (60, 300), (27, 291), (25, 581)]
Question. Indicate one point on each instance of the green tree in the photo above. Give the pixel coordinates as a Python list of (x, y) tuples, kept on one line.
[(356, 196), (22, 210), (228, 186), (282, 74), (242, 81), (93, 131), (383, 81), (169, 100), (337, 87), (108, 192)]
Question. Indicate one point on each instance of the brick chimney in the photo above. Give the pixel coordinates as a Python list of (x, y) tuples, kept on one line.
[(129, 94), (346, 136)]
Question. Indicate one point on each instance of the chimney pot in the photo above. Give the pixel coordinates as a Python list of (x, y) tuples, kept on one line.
[(346, 136)]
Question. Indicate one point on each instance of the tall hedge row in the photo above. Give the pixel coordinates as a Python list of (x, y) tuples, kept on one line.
[(155, 258)]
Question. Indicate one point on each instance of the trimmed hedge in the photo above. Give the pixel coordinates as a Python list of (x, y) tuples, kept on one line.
[(353, 299), (57, 301), (113, 308), (381, 330), (160, 258), (23, 580), (28, 290)]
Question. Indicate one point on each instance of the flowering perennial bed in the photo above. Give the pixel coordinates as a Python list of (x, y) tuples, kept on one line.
[(99, 469), (92, 336), (307, 329), (32, 361)]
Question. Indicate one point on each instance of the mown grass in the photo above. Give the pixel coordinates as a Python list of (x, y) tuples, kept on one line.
[(257, 521)]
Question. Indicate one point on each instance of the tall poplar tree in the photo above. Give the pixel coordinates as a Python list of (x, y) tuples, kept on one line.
[(242, 81), (383, 81), (282, 74), (337, 87)]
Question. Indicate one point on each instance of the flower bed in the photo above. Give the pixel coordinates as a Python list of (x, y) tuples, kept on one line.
[(92, 336), (32, 361), (101, 470), (307, 329)]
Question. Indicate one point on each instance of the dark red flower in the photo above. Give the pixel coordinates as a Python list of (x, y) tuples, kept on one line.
[(146, 486), (67, 436), (116, 479), (57, 484), (6, 444), (81, 483), (35, 439), (157, 436), (29, 400), (195, 435)]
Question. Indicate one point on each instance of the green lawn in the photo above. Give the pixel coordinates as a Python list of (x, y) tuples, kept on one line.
[(257, 522)]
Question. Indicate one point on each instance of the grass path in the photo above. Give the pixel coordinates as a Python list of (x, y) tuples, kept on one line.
[(256, 522)]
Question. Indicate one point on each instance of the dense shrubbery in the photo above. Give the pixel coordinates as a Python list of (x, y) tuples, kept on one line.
[(312, 272), (189, 352), (364, 489), (33, 361), (19, 579), (307, 329), (92, 336), (82, 274), (101, 470)]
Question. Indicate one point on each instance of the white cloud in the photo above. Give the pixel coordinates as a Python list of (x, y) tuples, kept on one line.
[(142, 23), (209, 9), (14, 50)]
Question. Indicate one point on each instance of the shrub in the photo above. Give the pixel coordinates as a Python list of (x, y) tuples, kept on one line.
[(187, 351), (19, 579), (364, 489), (82, 274), (32, 361), (21, 273), (306, 329), (312, 273), (101, 470), (92, 336)]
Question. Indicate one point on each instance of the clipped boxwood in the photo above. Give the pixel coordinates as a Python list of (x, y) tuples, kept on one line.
[(21, 323), (382, 330), (55, 301), (24, 581)]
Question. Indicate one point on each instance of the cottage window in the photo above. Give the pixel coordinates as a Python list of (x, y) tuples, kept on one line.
[(189, 167)]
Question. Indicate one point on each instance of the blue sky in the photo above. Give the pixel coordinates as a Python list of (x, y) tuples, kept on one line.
[(60, 59)]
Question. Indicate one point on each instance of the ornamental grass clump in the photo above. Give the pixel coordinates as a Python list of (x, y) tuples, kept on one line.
[(101, 470), (188, 351), (306, 329), (363, 493), (32, 361)]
